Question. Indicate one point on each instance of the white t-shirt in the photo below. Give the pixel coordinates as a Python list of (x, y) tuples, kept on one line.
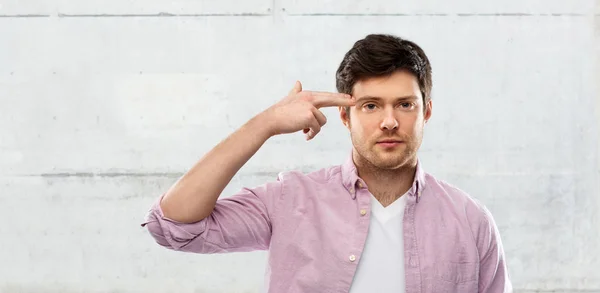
[(381, 266)]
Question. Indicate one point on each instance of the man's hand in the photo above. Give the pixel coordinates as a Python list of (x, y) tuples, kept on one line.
[(300, 110)]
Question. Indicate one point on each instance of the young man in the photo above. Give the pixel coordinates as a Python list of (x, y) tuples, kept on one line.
[(376, 223)]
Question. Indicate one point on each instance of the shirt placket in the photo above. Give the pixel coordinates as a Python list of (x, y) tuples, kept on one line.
[(411, 251), (362, 221)]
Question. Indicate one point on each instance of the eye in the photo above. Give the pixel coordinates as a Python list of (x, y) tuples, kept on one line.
[(407, 105), (370, 106)]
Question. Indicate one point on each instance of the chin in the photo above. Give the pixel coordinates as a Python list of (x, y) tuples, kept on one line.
[(390, 165), (389, 160)]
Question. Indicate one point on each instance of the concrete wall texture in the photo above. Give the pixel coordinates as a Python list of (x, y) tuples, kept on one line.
[(104, 104)]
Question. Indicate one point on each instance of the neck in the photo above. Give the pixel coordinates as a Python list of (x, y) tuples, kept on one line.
[(386, 185)]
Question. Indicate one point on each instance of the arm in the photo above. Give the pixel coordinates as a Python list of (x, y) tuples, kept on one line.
[(493, 272), (241, 222), (189, 215), (193, 197)]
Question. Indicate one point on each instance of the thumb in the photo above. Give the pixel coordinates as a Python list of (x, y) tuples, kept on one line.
[(297, 88)]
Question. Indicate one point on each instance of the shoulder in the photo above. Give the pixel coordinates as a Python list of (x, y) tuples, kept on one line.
[(472, 210), (311, 183), (449, 194), (323, 175)]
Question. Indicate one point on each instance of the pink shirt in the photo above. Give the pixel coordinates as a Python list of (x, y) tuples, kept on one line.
[(315, 226)]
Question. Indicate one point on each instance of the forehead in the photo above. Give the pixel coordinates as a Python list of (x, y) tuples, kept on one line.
[(398, 84)]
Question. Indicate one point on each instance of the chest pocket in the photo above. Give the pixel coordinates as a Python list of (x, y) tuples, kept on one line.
[(457, 272)]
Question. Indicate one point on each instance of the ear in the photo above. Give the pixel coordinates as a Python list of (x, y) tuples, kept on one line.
[(345, 117), (428, 108)]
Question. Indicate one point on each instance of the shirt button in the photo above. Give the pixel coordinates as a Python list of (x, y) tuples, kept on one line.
[(360, 184), (352, 257), (363, 212), (351, 189)]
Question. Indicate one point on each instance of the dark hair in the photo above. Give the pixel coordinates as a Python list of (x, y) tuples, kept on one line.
[(380, 55)]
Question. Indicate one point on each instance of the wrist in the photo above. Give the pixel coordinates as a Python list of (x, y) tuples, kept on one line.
[(263, 125)]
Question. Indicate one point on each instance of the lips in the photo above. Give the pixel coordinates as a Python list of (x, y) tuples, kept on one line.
[(389, 143)]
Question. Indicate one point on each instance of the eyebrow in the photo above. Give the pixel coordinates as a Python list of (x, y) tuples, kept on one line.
[(403, 98)]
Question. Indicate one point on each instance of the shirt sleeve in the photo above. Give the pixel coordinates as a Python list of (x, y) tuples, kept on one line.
[(493, 272), (241, 222)]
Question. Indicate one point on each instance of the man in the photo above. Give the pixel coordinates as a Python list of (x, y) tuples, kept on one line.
[(377, 223)]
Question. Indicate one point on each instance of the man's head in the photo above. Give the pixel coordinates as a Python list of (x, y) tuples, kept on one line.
[(390, 78)]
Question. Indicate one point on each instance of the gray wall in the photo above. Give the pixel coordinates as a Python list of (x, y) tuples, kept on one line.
[(104, 104)]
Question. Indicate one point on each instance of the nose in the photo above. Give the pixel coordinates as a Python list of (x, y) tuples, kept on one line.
[(389, 121)]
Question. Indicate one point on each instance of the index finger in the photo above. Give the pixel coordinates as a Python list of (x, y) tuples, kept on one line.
[(327, 99)]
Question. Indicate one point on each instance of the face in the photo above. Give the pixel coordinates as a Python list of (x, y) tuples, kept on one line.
[(386, 124)]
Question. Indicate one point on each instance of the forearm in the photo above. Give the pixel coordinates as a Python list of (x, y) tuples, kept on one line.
[(193, 197)]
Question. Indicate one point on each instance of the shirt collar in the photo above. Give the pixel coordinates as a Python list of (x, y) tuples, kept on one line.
[(351, 180)]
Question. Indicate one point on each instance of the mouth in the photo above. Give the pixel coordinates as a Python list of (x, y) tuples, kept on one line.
[(389, 143)]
